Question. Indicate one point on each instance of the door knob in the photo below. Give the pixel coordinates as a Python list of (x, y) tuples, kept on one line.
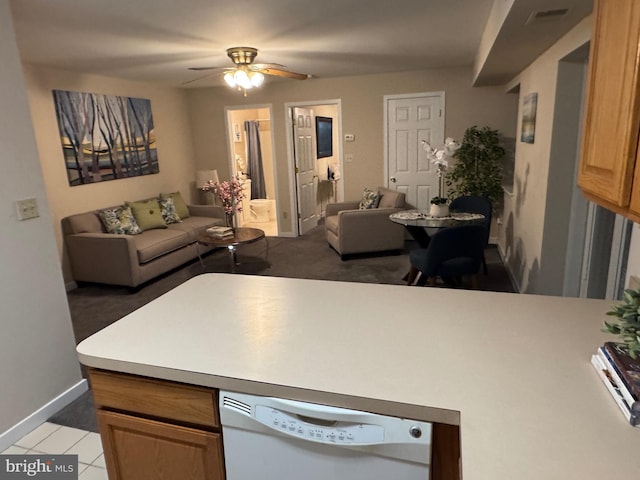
[(393, 179)]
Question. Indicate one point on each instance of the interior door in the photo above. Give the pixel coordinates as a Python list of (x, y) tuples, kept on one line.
[(409, 121), (304, 157)]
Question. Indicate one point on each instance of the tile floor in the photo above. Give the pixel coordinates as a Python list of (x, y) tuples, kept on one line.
[(55, 439)]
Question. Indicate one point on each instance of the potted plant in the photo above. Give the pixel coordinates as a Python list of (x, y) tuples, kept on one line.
[(627, 326), (439, 207), (440, 158), (478, 169)]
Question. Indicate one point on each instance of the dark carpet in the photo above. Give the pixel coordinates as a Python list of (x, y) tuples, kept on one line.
[(94, 307)]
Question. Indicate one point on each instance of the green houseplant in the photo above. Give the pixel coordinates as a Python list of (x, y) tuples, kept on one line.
[(627, 326), (478, 169)]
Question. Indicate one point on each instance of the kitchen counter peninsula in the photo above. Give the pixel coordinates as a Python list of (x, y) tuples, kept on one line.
[(512, 371)]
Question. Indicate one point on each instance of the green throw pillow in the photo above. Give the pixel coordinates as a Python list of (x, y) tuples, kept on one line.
[(147, 214), (369, 200), (119, 220), (168, 210), (181, 206)]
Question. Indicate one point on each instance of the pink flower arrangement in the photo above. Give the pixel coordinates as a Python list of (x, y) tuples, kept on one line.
[(229, 192)]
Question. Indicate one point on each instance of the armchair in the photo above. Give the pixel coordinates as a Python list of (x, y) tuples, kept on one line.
[(350, 230)]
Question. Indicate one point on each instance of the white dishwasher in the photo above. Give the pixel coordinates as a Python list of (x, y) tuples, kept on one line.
[(271, 438)]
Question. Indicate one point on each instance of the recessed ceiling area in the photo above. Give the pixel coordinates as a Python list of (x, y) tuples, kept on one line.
[(157, 41)]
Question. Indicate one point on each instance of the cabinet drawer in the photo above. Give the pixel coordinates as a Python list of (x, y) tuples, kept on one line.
[(156, 398)]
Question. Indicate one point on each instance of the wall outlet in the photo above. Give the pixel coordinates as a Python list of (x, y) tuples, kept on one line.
[(348, 158), (284, 215), (27, 208)]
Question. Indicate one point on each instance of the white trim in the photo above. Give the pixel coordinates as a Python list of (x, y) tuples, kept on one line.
[(41, 415), (288, 108), (385, 123)]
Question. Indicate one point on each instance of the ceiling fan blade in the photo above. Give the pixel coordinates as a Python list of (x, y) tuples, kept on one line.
[(202, 77), (285, 73), (198, 69), (262, 66)]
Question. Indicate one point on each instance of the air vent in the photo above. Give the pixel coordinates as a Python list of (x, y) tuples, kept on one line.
[(547, 15), (237, 405)]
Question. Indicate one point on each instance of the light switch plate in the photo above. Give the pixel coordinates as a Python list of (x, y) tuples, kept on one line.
[(27, 208)]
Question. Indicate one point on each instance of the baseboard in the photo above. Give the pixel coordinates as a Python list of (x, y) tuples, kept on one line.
[(512, 279), (41, 415)]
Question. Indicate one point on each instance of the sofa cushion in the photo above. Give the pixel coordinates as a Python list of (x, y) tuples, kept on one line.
[(156, 242), (195, 226), (181, 206), (390, 198), (168, 211), (147, 213), (119, 220), (370, 199)]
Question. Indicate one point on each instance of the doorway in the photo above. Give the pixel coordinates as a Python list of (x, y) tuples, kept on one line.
[(251, 157), (315, 180)]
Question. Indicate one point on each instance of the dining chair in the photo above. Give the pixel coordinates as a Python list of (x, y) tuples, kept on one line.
[(452, 253), (475, 204)]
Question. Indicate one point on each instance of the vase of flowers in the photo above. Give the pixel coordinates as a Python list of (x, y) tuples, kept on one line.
[(230, 194), (440, 158)]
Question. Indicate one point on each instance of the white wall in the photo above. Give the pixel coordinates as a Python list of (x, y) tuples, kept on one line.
[(174, 145), (37, 349), (520, 236)]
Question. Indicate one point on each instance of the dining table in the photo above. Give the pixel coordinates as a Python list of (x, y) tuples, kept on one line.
[(419, 223)]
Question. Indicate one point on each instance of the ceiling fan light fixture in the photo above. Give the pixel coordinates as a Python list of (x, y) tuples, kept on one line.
[(228, 78), (256, 78), (242, 79)]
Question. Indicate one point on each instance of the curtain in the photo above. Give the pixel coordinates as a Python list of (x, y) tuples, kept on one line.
[(255, 171)]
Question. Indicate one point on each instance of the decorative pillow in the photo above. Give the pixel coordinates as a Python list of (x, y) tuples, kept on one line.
[(370, 199), (168, 211), (181, 206), (119, 220), (147, 214)]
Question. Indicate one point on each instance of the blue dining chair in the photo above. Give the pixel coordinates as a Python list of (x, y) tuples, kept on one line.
[(452, 253), (475, 204)]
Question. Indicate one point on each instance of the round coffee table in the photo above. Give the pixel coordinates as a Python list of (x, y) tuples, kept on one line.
[(241, 236)]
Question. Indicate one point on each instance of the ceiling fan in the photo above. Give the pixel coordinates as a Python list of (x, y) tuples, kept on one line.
[(246, 74)]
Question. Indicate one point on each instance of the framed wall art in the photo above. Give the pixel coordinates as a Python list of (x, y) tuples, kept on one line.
[(105, 137), (529, 108)]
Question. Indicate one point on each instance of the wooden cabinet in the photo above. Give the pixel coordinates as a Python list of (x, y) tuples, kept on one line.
[(612, 115), (154, 429)]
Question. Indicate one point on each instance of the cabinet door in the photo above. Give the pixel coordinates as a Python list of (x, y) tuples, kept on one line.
[(612, 115), (141, 449)]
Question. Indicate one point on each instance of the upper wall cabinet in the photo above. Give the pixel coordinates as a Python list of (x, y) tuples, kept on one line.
[(612, 115)]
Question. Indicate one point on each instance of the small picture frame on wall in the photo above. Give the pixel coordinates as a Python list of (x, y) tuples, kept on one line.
[(529, 108)]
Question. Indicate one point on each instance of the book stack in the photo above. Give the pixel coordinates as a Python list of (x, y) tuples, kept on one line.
[(220, 232), (621, 375)]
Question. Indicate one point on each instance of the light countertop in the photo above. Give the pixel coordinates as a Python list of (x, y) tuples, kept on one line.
[(512, 370)]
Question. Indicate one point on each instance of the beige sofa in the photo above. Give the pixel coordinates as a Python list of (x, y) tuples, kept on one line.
[(130, 260), (351, 230)]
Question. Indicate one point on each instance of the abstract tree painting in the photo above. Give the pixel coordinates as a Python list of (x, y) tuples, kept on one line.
[(105, 137)]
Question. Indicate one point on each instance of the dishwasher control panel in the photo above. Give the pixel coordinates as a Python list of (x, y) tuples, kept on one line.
[(314, 429)]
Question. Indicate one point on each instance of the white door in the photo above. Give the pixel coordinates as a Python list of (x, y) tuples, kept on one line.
[(304, 157), (410, 119)]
